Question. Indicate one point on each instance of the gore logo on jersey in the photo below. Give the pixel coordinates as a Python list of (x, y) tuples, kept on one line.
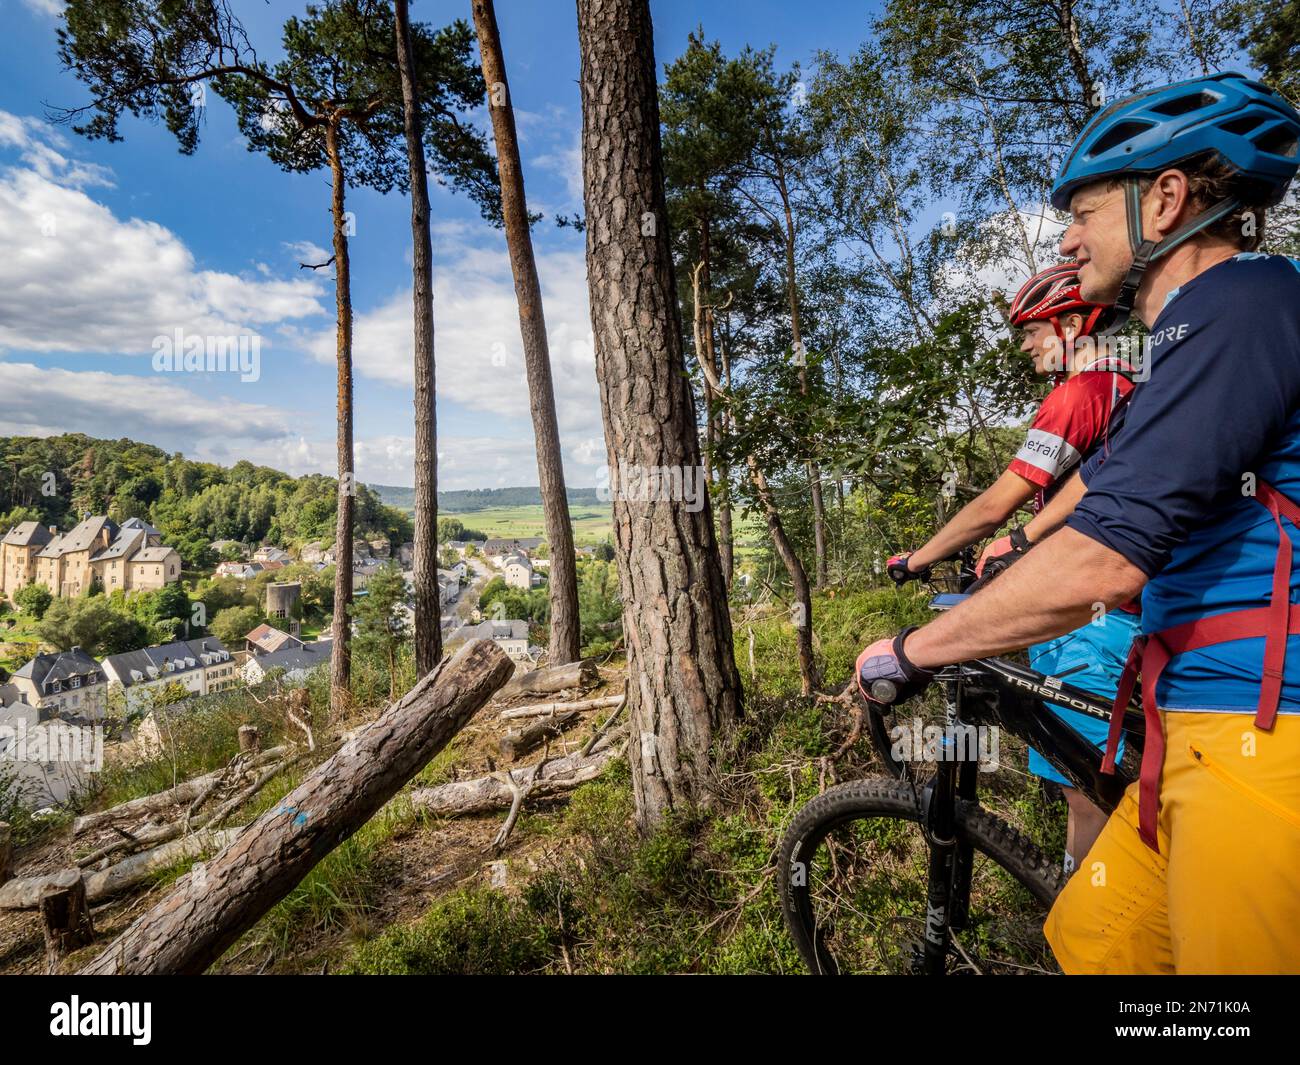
[(1173, 332)]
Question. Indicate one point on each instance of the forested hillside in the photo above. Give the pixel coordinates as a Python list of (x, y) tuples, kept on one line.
[(57, 480)]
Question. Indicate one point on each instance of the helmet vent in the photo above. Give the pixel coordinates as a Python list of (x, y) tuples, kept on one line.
[(1117, 135), (1278, 141), (1184, 105), (1242, 126)]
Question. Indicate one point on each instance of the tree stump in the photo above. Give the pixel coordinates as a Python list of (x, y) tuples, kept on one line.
[(249, 738), (6, 852), (65, 917)]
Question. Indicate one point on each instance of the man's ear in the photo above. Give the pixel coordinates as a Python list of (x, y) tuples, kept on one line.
[(1166, 205)]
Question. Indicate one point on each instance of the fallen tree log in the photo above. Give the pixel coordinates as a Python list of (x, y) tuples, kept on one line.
[(185, 792), (542, 709), (152, 837), (488, 794), (553, 679), (517, 743), (25, 893), (194, 924)]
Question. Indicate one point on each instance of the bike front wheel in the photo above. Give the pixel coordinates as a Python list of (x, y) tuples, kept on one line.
[(853, 883)]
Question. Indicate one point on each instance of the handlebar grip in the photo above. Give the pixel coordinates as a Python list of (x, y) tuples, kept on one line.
[(884, 691)]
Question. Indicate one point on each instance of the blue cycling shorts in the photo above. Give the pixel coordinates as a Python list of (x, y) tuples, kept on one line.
[(1101, 648)]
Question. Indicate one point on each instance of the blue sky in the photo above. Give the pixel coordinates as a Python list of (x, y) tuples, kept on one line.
[(105, 247)]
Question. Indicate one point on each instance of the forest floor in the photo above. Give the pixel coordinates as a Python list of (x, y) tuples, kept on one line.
[(575, 888)]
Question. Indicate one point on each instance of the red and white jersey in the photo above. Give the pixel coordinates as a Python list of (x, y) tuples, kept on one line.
[(1069, 426)]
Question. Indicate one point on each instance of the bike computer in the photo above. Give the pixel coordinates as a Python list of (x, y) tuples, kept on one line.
[(947, 600)]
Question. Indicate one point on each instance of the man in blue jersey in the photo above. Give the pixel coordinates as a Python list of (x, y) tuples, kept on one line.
[(1198, 869)]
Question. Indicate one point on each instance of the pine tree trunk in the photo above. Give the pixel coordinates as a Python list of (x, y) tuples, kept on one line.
[(341, 655), (562, 579), (683, 686), (428, 609)]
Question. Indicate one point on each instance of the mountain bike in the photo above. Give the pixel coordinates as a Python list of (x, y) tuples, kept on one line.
[(909, 873)]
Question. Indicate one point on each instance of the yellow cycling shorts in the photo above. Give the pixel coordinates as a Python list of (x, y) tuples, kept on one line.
[(1223, 894)]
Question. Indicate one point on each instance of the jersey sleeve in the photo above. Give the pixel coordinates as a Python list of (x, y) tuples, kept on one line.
[(1224, 379), (1067, 426)]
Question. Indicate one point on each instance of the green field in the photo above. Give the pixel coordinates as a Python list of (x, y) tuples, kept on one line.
[(591, 524)]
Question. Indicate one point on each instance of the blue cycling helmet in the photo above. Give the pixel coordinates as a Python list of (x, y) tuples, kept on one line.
[(1247, 125), (1251, 127)]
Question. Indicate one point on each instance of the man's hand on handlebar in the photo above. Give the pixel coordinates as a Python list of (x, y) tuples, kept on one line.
[(884, 674), (900, 571)]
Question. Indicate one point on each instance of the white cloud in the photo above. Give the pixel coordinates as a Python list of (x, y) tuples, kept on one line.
[(476, 337), (74, 277), (39, 401), (52, 8)]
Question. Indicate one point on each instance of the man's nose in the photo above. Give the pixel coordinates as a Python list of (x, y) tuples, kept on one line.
[(1070, 241)]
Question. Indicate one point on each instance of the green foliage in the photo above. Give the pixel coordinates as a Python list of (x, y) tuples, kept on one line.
[(33, 599), (196, 502), (232, 624), (93, 625), (503, 603), (381, 625), (477, 931)]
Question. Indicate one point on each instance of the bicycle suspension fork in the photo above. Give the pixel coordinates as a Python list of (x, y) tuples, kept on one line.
[(948, 890)]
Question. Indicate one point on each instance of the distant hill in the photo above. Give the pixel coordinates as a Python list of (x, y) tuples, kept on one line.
[(468, 500)]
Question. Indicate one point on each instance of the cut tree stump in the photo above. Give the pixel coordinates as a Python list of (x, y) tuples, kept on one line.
[(6, 852), (249, 739), (65, 917), (553, 679), (193, 925), (517, 743)]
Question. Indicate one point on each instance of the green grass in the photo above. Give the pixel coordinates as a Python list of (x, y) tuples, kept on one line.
[(699, 895), (591, 524)]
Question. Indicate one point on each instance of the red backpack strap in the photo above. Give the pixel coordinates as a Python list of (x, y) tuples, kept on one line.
[(1279, 607), (1123, 693)]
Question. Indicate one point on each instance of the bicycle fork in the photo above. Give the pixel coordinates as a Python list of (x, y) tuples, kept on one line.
[(947, 906)]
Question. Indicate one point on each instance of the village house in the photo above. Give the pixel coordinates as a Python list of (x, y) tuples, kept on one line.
[(267, 639), (297, 660), (201, 667), (448, 587), (519, 546), (267, 553), (518, 571), (245, 571), (511, 635), (130, 556), (64, 683)]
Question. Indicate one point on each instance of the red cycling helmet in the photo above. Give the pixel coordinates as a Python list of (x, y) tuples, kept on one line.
[(1051, 293)]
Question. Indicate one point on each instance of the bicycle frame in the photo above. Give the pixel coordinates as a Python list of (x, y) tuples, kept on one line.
[(993, 691)]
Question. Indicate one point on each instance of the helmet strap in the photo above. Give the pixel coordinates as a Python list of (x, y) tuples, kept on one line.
[(1146, 251)]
